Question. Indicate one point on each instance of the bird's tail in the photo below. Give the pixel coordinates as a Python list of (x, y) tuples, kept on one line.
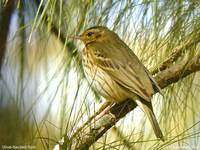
[(147, 108)]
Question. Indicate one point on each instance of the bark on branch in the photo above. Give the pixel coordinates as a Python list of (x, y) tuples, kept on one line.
[(94, 130), (177, 52)]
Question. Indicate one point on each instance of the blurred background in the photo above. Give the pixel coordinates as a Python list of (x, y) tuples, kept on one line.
[(43, 91)]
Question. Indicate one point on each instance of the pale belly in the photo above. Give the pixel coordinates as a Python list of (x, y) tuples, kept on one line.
[(103, 84)]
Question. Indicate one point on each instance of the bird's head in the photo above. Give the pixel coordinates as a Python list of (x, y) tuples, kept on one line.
[(94, 34)]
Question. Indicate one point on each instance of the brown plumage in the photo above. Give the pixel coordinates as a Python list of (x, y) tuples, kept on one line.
[(115, 72)]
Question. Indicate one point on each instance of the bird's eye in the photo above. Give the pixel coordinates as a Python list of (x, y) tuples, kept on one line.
[(89, 34)]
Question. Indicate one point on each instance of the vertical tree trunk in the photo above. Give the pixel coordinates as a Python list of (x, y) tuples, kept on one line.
[(5, 19)]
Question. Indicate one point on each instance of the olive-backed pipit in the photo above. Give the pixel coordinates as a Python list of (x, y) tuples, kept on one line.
[(115, 72)]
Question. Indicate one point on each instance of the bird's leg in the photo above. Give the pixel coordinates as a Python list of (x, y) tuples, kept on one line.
[(105, 110), (104, 106), (106, 116)]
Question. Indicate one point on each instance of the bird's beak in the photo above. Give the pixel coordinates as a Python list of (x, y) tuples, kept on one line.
[(76, 37)]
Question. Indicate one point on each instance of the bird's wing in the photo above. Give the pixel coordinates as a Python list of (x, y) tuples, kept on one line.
[(126, 70), (156, 86)]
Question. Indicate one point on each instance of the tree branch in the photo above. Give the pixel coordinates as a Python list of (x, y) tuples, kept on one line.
[(94, 130), (176, 53), (177, 72)]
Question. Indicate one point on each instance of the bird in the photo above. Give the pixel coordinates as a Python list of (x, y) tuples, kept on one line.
[(116, 73)]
